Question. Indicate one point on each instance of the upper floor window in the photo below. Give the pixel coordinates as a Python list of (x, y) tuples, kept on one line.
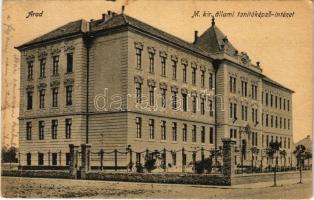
[(174, 131), (138, 58), (185, 102), (163, 98), (194, 104), (288, 105), (194, 133), (68, 128), (244, 88), (69, 95), (244, 113), (55, 65), (28, 130), (211, 111), (280, 101), (42, 98), (69, 62), (138, 127), (193, 75), (174, 100), (210, 81), (163, 66), (271, 100), (184, 70), (55, 92), (163, 130), (254, 92), (42, 68), (203, 134), (184, 133), (54, 129), (232, 84), (284, 104), (151, 129), (151, 62), (29, 100), (202, 106), (266, 99), (138, 87), (151, 95), (203, 78), (174, 70), (276, 101), (40, 159), (233, 111), (30, 66), (211, 135), (41, 126)]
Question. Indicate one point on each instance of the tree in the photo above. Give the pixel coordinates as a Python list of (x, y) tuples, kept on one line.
[(8, 155), (299, 153), (274, 148)]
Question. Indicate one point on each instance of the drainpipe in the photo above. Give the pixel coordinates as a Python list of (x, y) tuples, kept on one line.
[(216, 64)]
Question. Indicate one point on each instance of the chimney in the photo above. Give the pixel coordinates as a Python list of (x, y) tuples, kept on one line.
[(225, 39), (123, 9), (257, 64), (195, 36)]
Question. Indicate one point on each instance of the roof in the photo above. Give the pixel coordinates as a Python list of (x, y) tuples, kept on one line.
[(214, 41), (307, 142), (70, 28), (265, 78)]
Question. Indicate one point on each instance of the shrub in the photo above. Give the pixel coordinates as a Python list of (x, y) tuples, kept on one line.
[(199, 167), (139, 167), (150, 164)]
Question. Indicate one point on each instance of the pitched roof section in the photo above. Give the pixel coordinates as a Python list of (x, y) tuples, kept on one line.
[(214, 41), (265, 78), (70, 28)]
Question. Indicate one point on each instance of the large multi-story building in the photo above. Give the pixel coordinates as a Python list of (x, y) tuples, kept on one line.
[(118, 83)]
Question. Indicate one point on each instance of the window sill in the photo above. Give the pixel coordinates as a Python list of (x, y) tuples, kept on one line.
[(138, 139), (163, 141)]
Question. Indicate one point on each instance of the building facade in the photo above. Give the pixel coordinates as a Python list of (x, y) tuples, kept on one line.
[(118, 83)]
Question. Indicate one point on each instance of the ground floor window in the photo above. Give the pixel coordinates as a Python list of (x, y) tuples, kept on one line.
[(40, 159), (67, 158), (54, 158), (29, 158), (184, 159), (138, 157)]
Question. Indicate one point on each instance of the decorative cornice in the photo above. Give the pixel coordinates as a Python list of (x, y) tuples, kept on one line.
[(69, 82), (55, 83), (30, 58), (203, 68), (151, 50), (41, 86), (55, 52), (69, 48), (151, 82), (194, 93), (42, 55), (174, 88), (194, 65), (184, 91), (184, 61), (163, 54), (163, 85), (174, 58), (29, 88)]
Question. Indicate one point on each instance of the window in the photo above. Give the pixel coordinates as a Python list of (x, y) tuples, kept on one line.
[(194, 104), (55, 65), (55, 97), (184, 70), (280, 99), (266, 120), (163, 98), (232, 84), (41, 98), (284, 123), (174, 100), (210, 80), (276, 122), (203, 134), (138, 87), (138, 127), (288, 124), (184, 133), (163, 66), (54, 129), (30, 65), (174, 131), (244, 113), (42, 68), (262, 140), (267, 140), (202, 106), (41, 127), (193, 75), (174, 70), (244, 88), (40, 159), (211, 111), (151, 129), (28, 130), (254, 92), (151, 95), (202, 78), (29, 100), (163, 130), (271, 121), (266, 99), (285, 143), (68, 128), (276, 101), (138, 58), (288, 105), (138, 157), (184, 159), (151, 62), (29, 158), (69, 62), (280, 122), (54, 158), (194, 133), (174, 158), (284, 104), (262, 119), (68, 95), (185, 102), (67, 159), (288, 143), (211, 135), (271, 100)]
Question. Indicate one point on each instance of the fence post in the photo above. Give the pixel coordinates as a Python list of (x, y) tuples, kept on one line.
[(182, 159), (165, 165), (228, 158), (115, 159), (101, 159), (73, 160)]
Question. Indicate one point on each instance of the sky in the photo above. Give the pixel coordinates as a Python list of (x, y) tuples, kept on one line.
[(282, 45)]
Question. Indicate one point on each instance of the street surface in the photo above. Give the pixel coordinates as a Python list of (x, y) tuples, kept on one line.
[(68, 188)]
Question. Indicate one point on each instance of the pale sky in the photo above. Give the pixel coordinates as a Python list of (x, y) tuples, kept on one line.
[(282, 45)]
